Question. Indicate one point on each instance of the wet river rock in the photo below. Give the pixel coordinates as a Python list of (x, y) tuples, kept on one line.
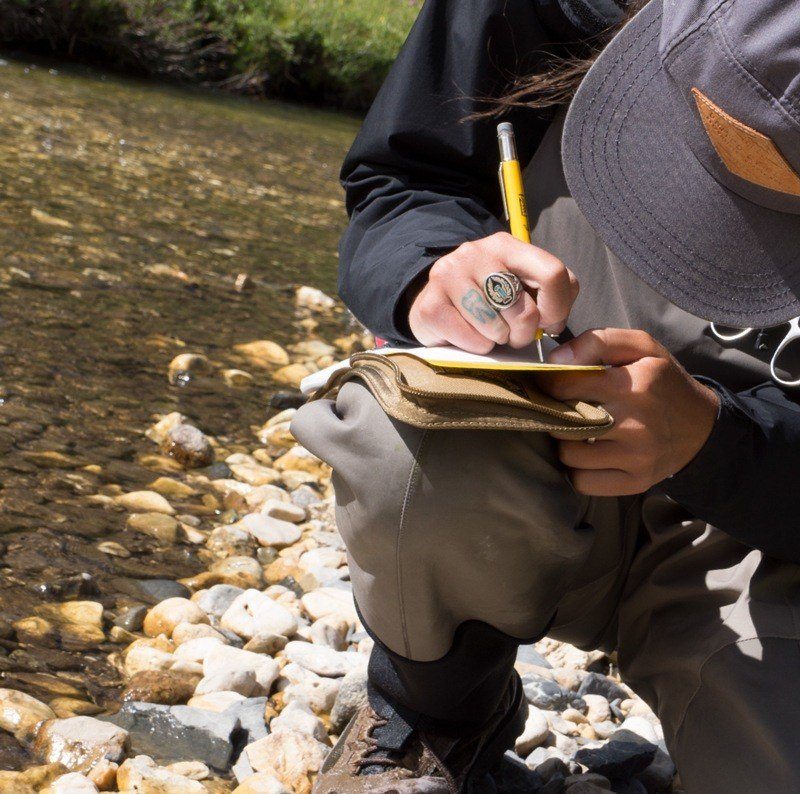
[(181, 733), (189, 446)]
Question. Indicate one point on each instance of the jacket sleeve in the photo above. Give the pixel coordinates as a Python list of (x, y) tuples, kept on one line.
[(745, 479), (421, 177)]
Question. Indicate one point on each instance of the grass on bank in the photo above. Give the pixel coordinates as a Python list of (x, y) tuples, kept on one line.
[(331, 52)]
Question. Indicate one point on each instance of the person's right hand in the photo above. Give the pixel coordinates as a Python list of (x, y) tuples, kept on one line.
[(451, 308)]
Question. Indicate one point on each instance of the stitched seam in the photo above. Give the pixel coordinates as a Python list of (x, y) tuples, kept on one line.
[(680, 287), (760, 88), (708, 659), (765, 86), (413, 479), (684, 36), (608, 95), (760, 281), (670, 236)]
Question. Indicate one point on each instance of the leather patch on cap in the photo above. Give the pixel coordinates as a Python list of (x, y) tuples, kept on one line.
[(746, 152)]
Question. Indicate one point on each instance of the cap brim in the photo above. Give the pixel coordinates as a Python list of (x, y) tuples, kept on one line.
[(632, 174)]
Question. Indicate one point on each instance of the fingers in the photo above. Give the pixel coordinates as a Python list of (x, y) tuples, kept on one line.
[(469, 300), (435, 321), (614, 346), (457, 279), (523, 321), (457, 331), (586, 386), (556, 287)]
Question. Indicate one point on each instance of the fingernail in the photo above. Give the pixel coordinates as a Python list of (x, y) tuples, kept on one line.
[(563, 354)]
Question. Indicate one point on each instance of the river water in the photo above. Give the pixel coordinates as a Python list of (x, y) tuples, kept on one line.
[(127, 210)]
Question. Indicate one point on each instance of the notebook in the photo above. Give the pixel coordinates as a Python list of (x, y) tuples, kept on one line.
[(447, 357)]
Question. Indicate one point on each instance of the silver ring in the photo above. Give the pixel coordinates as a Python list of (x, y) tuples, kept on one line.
[(502, 290), (591, 440)]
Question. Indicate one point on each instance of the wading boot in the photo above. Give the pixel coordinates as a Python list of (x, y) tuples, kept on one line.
[(383, 752)]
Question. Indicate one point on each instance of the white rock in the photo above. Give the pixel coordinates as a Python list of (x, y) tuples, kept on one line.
[(72, 783), (20, 713), (79, 742), (142, 657), (226, 486), (534, 733), (142, 774), (299, 717), (254, 613), (264, 493), (243, 571), (215, 701), (278, 435), (559, 725), (262, 783), (598, 708), (331, 632), (197, 650), (237, 378), (285, 511), (290, 756), (322, 558), (323, 661), (167, 614), (187, 632), (254, 474), (195, 770), (269, 531), (145, 502), (641, 726), (635, 707), (330, 601), (185, 363), (216, 600), (159, 431), (286, 415), (226, 658), (605, 729), (328, 577), (229, 541), (313, 348), (240, 458), (305, 496), (313, 299), (303, 686), (241, 681)]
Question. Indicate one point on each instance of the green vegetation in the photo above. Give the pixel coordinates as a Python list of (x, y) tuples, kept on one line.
[(333, 52)]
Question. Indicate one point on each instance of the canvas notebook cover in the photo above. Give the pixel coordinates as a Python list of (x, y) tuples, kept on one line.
[(446, 357)]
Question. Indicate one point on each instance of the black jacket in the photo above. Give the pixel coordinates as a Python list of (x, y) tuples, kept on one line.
[(420, 180)]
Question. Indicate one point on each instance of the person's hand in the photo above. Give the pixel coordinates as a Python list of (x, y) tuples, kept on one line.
[(451, 307), (662, 416)]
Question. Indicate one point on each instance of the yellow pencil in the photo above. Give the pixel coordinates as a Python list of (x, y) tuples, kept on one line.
[(513, 192)]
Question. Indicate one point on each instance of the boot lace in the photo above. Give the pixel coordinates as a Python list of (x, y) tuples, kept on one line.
[(375, 754)]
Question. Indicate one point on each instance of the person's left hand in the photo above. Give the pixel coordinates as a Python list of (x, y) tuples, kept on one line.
[(662, 416)]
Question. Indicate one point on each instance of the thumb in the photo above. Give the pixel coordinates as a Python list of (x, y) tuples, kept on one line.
[(609, 346)]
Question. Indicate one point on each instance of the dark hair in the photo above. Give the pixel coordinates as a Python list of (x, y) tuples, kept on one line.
[(557, 80)]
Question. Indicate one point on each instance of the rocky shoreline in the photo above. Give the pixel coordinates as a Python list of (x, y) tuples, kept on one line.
[(240, 677)]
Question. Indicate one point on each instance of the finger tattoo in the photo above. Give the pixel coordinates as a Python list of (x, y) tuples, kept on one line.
[(478, 307)]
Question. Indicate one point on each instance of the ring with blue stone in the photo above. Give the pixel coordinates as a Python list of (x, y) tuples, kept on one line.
[(502, 290)]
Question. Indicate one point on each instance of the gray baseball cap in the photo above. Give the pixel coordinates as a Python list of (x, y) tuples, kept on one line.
[(682, 148)]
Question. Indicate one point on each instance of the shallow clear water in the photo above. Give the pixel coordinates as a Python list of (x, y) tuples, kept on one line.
[(127, 209)]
